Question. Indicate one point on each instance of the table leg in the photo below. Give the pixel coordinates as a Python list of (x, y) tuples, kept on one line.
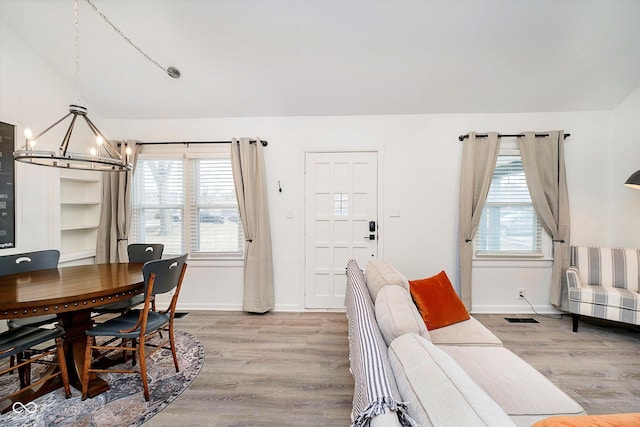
[(75, 324)]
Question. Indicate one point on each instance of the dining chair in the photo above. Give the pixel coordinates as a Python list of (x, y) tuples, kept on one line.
[(16, 342), (24, 263), (143, 252), (131, 331), (138, 252)]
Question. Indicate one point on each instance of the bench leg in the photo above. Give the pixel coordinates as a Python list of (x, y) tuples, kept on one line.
[(575, 321)]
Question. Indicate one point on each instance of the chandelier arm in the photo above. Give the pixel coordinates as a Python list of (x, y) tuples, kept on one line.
[(67, 136), (49, 128), (106, 144)]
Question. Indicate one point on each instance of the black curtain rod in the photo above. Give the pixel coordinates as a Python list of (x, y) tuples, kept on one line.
[(519, 135), (264, 143)]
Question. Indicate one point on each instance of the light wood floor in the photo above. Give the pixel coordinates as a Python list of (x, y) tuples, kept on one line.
[(292, 369)]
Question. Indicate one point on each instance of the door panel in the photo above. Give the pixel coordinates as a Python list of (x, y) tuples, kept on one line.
[(341, 198)]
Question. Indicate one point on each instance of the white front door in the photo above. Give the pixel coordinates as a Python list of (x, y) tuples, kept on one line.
[(341, 204)]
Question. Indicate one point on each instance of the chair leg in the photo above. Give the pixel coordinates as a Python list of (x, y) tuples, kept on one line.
[(172, 343), (575, 321), (63, 368), (153, 308), (143, 368), (86, 367), (133, 344)]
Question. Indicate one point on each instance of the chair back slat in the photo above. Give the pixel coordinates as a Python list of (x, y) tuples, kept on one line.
[(29, 261), (142, 252), (167, 274)]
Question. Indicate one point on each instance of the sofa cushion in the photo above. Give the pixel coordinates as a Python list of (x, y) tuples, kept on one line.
[(468, 332), (379, 274), (512, 383), (397, 314), (437, 301), (621, 305), (438, 391)]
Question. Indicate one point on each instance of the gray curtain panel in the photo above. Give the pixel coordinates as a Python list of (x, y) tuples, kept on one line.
[(479, 157), (251, 191), (544, 168), (115, 214)]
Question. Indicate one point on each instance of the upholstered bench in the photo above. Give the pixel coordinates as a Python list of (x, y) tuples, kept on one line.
[(604, 283)]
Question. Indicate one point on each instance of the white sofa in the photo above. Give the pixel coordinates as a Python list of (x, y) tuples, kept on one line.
[(604, 283), (459, 375)]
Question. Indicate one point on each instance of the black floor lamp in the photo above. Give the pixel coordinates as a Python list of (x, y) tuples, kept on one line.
[(634, 180)]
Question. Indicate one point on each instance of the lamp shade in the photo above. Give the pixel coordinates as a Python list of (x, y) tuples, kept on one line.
[(634, 180)]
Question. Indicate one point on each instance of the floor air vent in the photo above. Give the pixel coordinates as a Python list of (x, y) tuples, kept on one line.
[(520, 320)]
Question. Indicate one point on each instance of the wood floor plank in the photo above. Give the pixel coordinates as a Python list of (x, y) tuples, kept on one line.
[(292, 369)]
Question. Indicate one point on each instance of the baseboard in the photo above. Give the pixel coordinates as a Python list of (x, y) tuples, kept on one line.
[(513, 309), (232, 307)]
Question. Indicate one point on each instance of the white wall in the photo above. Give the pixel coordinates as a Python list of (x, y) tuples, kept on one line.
[(624, 150), (420, 161), (31, 95)]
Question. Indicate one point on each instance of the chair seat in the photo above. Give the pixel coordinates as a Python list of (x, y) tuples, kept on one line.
[(127, 321), (614, 298), (120, 306), (45, 319), (17, 340)]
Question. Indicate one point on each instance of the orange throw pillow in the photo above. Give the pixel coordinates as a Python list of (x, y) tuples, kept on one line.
[(437, 301)]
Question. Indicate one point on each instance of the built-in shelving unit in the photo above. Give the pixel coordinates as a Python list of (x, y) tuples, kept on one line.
[(80, 199)]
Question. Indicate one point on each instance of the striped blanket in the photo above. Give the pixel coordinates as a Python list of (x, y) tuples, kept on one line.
[(375, 390)]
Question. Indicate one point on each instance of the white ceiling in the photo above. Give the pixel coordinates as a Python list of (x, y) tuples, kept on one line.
[(322, 57)]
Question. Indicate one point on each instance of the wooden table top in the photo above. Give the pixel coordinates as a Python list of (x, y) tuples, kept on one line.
[(68, 288)]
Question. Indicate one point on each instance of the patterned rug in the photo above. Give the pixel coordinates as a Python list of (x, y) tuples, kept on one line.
[(123, 404)]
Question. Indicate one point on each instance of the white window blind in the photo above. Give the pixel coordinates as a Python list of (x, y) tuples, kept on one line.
[(509, 225), (215, 221), (188, 203)]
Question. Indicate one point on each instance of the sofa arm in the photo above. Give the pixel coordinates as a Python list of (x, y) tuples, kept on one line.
[(573, 278)]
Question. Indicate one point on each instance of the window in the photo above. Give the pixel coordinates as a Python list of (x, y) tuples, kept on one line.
[(509, 225), (187, 201)]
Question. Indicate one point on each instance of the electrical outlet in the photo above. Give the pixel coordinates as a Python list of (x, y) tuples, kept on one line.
[(520, 293)]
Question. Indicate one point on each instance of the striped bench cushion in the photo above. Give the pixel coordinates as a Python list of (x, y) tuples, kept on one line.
[(375, 392)]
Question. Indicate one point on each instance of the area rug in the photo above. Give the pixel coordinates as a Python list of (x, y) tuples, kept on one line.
[(123, 404)]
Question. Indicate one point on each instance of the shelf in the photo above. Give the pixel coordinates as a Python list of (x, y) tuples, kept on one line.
[(81, 254), (79, 227), (78, 179), (80, 202)]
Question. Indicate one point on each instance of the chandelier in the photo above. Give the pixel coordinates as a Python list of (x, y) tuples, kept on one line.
[(103, 156)]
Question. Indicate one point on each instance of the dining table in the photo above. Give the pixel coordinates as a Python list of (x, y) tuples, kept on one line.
[(69, 292)]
